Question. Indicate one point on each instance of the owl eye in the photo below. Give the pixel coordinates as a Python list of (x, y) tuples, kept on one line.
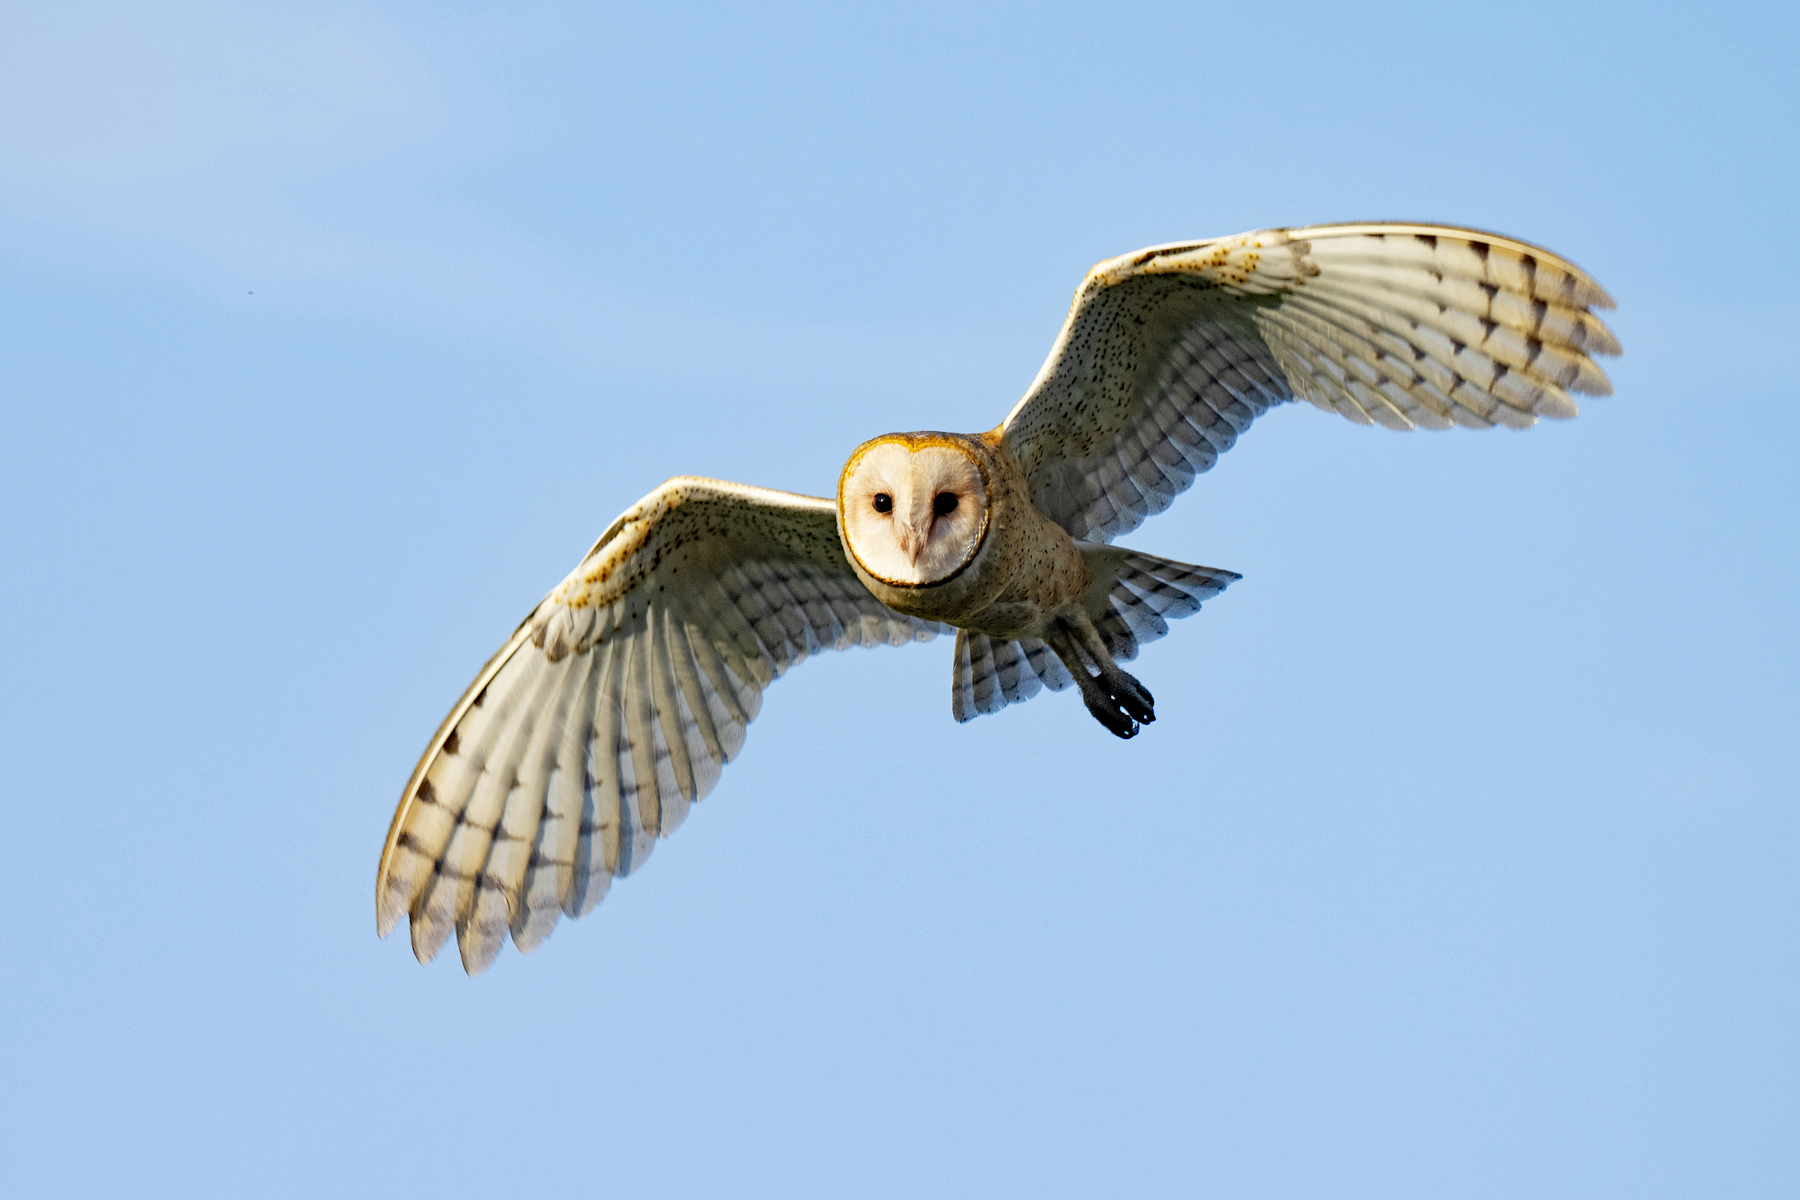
[(883, 502), (944, 504)]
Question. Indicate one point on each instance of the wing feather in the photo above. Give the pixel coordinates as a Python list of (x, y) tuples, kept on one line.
[(550, 872), (672, 722), (1169, 354), (500, 884), (603, 809), (640, 736), (739, 700), (693, 692)]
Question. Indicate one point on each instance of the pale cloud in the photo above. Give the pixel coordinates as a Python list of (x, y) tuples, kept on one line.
[(220, 144), (114, 110), (323, 157)]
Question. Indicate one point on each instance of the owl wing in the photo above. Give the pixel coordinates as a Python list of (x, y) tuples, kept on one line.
[(613, 707), (1168, 354)]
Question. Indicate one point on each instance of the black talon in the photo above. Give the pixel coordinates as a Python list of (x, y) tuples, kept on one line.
[(1130, 695), (1118, 702), (1107, 711)]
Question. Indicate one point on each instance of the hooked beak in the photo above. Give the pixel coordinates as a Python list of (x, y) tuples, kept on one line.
[(913, 539)]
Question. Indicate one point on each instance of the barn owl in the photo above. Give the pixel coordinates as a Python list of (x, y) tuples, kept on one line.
[(614, 705)]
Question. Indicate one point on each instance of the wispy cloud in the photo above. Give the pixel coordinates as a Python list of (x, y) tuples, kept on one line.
[(150, 124), (329, 158)]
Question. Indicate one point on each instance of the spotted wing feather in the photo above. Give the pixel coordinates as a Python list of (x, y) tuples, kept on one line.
[(612, 709), (1170, 353)]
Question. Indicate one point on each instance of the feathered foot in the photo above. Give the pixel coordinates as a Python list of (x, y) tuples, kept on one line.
[(1117, 700), (1130, 695)]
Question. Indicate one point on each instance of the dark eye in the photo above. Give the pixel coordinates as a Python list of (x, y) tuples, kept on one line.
[(883, 502), (944, 504)]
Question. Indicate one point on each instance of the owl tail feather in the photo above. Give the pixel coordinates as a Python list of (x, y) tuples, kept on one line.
[(1131, 601)]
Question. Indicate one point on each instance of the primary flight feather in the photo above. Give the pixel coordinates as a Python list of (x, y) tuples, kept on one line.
[(614, 705)]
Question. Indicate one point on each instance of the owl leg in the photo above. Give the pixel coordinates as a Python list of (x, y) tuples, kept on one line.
[(1121, 685), (1115, 699)]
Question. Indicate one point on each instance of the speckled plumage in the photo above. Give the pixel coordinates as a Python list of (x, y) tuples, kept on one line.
[(615, 704)]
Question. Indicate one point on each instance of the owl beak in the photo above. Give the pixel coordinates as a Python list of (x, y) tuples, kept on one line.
[(912, 541)]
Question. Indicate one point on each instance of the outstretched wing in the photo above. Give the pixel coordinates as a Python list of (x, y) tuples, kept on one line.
[(613, 707), (1168, 354)]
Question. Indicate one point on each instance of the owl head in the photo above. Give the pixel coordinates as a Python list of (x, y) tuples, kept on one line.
[(913, 507)]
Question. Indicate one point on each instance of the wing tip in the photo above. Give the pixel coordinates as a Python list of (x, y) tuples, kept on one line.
[(387, 915), (478, 945)]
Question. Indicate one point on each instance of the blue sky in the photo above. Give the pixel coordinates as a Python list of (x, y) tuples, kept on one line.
[(1460, 862)]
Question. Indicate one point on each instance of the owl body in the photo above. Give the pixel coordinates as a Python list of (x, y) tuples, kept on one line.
[(614, 705)]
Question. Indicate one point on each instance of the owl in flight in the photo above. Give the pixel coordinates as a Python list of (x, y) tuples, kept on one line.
[(614, 705)]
